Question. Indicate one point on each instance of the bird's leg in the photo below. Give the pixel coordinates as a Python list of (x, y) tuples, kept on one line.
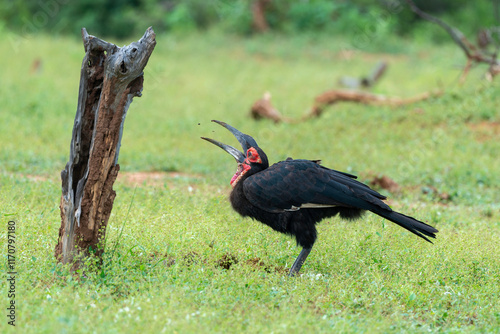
[(299, 261)]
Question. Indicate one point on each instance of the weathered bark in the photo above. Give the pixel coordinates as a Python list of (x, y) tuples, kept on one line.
[(110, 78)]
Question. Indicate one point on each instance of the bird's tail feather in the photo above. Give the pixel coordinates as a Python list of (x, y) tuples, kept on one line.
[(411, 224)]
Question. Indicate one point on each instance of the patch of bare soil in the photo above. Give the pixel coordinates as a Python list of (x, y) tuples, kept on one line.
[(386, 183), (257, 263), (227, 260), (442, 197), (34, 178), (152, 178), (168, 260), (37, 178), (130, 178), (485, 131)]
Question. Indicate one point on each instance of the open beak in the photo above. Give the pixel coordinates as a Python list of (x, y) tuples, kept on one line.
[(229, 149), (245, 140)]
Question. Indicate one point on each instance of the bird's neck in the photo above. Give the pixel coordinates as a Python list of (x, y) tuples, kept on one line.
[(238, 200)]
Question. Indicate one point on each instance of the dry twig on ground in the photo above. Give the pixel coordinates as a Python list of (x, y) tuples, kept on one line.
[(334, 96), (366, 81), (264, 109)]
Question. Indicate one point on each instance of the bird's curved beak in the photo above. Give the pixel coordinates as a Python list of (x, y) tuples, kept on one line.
[(245, 140), (240, 157)]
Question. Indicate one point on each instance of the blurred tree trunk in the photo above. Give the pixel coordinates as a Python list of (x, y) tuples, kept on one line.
[(259, 17), (496, 10), (110, 78)]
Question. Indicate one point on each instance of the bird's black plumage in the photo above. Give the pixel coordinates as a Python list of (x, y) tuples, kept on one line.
[(292, 196)]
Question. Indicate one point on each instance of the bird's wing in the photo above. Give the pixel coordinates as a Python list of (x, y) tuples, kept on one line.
[(293, 184)]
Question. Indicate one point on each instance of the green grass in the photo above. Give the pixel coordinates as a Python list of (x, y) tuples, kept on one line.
[(166, 240)]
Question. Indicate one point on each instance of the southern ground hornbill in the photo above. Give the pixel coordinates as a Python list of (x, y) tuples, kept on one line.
[(292, 196)]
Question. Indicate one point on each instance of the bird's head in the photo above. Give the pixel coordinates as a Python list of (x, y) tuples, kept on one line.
[(252, 161)]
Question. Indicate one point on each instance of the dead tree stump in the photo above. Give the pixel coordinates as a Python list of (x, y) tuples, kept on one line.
[(110, 78)]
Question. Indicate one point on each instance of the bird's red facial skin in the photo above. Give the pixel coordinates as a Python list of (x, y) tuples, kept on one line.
[(253, 156), (242, 169)]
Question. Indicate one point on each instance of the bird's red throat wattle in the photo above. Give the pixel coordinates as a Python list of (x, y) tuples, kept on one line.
[(242, 169)]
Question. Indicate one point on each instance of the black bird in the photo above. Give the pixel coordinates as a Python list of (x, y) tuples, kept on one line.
[(292, 196)]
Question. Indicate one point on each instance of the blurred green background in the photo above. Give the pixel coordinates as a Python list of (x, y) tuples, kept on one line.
[(124, 18)]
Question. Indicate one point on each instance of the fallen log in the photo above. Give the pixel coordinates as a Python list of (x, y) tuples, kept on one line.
[(334, 96)]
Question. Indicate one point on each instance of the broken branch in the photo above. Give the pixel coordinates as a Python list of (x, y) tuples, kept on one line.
[(473, 54), (334, 96)]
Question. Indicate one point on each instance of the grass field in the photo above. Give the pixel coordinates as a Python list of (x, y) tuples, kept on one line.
[(172, 230)]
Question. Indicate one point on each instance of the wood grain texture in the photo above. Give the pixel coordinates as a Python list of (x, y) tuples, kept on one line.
[(110, 78)]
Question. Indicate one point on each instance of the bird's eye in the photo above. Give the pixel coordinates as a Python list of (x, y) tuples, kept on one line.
[(253, 155)]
